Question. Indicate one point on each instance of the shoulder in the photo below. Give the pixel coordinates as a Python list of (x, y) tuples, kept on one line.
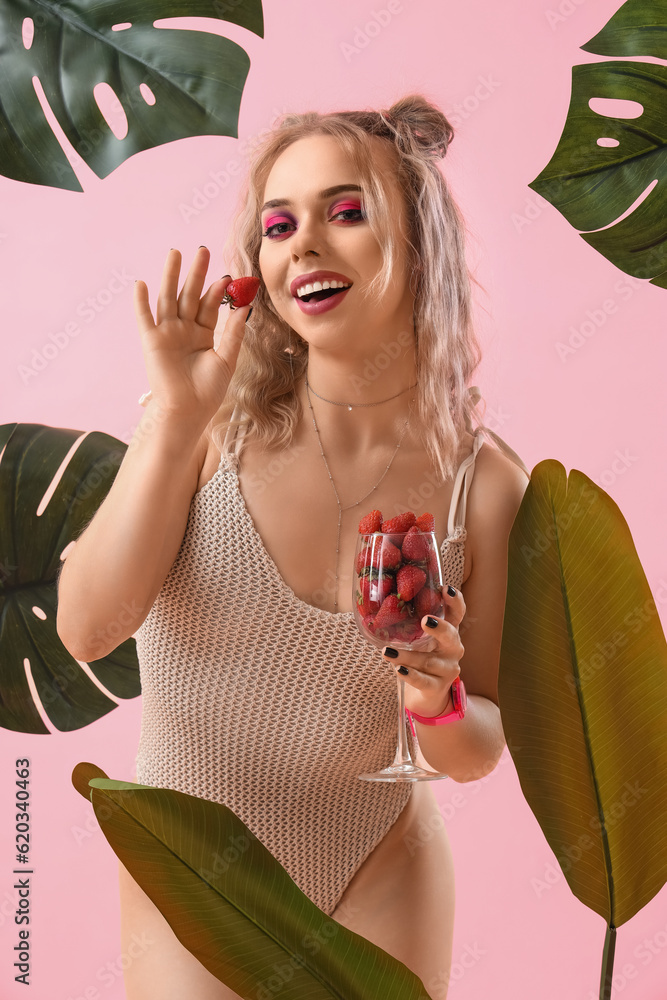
[(496, 492)]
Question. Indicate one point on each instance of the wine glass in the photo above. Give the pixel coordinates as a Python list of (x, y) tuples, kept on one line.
[(394, 584)]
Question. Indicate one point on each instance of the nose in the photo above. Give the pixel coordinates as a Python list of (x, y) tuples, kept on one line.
[(306, 240)]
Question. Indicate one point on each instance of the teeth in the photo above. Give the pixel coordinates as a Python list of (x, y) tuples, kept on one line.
[(318, 286)]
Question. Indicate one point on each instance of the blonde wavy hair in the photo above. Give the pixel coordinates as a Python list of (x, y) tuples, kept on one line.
[(273, 357)]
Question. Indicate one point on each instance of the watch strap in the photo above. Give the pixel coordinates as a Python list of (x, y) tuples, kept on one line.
[(459, 699)]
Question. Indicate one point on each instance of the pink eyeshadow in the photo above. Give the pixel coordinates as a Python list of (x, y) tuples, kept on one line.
[(273, 219), (347, 204)]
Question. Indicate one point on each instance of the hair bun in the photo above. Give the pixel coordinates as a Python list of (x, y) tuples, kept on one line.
[(416, 119)]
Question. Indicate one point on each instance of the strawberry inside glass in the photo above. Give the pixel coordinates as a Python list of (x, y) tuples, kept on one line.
[(398, 576)]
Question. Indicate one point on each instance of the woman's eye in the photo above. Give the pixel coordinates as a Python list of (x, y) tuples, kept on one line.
[(357, 213), (281, 228), (272, 231)]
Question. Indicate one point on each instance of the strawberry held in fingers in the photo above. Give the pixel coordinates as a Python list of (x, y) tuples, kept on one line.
[(240, 292)]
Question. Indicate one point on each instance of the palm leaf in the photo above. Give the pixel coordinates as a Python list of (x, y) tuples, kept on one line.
[(30, 547), (591, 185), (195, 78), (638, 28), (583, 692), (231, 903)]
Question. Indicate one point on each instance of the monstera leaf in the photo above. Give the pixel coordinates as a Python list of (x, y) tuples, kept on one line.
[(583, 694), (592, 184), (171, 83), (231, 903), (31, 540)]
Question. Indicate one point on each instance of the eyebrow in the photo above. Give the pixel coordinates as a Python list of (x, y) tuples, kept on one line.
[(327, 193)]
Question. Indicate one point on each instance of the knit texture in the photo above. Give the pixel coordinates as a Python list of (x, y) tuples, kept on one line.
[(255, 699)]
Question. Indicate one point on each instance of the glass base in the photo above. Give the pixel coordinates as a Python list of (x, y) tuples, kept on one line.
[(403, 772)]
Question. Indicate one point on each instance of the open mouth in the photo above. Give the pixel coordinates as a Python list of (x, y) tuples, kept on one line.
[(323, 293)]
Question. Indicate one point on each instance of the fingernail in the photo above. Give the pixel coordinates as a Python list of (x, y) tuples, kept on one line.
[(225, 276), (451, 591), (403, 670), (390, 651), (431, 622), (249, 314)]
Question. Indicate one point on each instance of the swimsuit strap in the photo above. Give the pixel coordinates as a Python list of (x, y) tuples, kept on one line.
[(462, 485), (466, 469), (231, 446)]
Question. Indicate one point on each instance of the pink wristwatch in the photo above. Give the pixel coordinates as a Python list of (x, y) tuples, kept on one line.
[(460, 700)]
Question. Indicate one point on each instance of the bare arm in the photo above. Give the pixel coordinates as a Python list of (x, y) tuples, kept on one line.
[(113, 574)]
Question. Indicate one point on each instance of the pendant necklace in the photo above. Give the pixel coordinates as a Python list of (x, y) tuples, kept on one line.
[(351, 405), (356, 504)]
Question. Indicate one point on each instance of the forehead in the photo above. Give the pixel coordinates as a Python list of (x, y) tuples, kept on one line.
[(316, 162)]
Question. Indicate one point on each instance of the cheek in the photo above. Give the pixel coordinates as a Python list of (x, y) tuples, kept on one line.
[(269, 272)]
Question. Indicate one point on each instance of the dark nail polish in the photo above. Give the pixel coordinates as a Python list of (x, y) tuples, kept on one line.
[(390, 651), (225, 276), (431, 622), (403, 670), (249, 314), (451, 591)]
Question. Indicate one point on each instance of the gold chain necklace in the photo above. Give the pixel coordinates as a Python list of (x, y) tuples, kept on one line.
[(356, 504), (351, 405)]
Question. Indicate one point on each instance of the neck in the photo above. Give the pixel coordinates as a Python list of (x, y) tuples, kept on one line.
[(364, 426)]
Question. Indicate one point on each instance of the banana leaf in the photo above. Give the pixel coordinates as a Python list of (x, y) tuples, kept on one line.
[(171, 83), (31, 541), (231, 903), (592, 185), (583, 694)]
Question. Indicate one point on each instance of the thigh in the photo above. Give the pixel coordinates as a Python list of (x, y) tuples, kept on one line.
[(402, 898), (164, 969)]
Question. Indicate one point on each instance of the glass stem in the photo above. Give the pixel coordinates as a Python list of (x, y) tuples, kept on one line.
[(402, 751)]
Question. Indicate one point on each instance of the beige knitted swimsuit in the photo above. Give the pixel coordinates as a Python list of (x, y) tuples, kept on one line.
[(255, 699)]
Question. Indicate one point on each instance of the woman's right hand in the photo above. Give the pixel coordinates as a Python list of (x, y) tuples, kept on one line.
[(188, 378)]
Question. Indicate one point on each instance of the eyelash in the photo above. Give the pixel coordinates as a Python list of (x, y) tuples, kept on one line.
[(268, 231)]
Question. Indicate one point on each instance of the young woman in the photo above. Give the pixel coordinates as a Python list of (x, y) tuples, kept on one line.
[(233, 519)]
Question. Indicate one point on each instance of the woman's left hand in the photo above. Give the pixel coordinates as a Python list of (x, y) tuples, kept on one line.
[(431, 673)]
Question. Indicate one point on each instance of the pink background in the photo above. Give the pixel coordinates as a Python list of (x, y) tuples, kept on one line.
[(514, 938)]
